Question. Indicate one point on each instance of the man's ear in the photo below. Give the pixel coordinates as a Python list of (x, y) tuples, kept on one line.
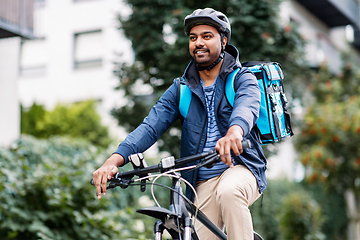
[(224, 41)]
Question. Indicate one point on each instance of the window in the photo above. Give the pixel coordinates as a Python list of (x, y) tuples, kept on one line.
[(349, 33), (88, 49), (33, 57)]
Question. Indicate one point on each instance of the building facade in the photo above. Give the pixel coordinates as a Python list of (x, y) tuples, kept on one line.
[(330, 27), (16, 21), (72, 58)]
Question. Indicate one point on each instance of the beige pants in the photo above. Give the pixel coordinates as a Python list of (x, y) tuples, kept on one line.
[(225, 200)]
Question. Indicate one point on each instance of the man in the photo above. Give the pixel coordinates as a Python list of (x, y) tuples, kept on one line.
[(227, 190)]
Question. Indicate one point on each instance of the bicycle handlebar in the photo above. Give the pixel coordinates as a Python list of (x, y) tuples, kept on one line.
[(124, 179)]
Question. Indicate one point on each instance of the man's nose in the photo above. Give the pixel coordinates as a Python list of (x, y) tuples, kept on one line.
[(200, 41)]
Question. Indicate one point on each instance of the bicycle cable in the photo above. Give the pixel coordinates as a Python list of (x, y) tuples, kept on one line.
[(167, 173), (180, 194)]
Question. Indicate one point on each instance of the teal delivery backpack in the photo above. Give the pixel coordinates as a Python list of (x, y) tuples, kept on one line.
[(273, 124)]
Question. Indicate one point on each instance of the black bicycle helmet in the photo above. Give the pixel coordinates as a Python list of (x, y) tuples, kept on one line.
[(208, 16)]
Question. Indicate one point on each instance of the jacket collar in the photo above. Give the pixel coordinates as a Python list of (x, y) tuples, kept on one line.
[(230, 63)]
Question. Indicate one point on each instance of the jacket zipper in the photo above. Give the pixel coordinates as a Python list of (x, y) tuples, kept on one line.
[(202, 131), (217, 109)]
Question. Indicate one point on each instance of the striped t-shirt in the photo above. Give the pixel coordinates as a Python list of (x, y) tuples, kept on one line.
[(213, 135)]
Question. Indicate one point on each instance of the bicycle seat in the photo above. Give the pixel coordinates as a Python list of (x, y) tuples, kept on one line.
[(157, 212)]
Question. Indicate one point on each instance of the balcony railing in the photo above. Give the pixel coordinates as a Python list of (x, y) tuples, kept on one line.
[(16, 18)]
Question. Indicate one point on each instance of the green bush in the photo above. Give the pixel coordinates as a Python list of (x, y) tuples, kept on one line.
[(31, 118), (333, 210), (76, 120), (266, 218), (300, 217), (45, 194)]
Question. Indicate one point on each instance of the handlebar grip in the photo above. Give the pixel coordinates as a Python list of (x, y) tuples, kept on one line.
[(211, 161), (92, 182)]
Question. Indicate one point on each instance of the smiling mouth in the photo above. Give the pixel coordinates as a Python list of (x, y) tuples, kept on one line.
[(200, 51)]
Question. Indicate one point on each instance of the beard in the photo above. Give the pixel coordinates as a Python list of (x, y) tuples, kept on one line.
[(206, 58)]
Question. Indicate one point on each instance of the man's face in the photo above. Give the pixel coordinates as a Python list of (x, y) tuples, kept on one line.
[(204, 44)]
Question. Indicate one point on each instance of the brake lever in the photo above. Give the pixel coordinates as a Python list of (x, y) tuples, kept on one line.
[(122, 182), (116, 181), (210, 161)]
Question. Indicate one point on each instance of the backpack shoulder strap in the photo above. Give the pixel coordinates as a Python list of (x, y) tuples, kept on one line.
[(230, 87), (184, 98)]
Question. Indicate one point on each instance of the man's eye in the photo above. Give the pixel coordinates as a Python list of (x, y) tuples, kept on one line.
[(207, 36)]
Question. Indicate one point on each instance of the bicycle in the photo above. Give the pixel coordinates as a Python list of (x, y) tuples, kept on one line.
[(178, 219)]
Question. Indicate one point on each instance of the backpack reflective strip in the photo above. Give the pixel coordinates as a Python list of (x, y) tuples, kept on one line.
[(273, 72)]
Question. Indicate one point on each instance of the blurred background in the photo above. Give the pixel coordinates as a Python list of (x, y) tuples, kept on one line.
[(77, 75)]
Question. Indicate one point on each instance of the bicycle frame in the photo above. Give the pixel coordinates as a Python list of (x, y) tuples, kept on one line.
[(176, 220), (178, 212)]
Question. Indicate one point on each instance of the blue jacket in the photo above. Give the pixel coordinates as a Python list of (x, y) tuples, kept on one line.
[(244, 113)]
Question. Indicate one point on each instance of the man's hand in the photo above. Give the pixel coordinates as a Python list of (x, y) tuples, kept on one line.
[(231, 141), (106, 172)]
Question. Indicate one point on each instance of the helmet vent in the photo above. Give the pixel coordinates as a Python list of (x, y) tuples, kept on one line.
[(222, 18)]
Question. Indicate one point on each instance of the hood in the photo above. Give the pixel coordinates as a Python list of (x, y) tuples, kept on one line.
[(230, 63)]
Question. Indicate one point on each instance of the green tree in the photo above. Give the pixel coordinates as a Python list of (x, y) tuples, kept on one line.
[(76, 120), (156, 31), (330, 134)]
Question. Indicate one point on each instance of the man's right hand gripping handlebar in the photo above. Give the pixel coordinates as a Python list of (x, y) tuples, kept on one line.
[(106, 172), (231, 142)]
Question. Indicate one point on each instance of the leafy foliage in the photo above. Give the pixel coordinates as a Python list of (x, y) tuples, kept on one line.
[(333, 209), (266, 213), (77, 120), (45, 194), (330, 135), (156, 31), (30, 119), (300, 217)]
